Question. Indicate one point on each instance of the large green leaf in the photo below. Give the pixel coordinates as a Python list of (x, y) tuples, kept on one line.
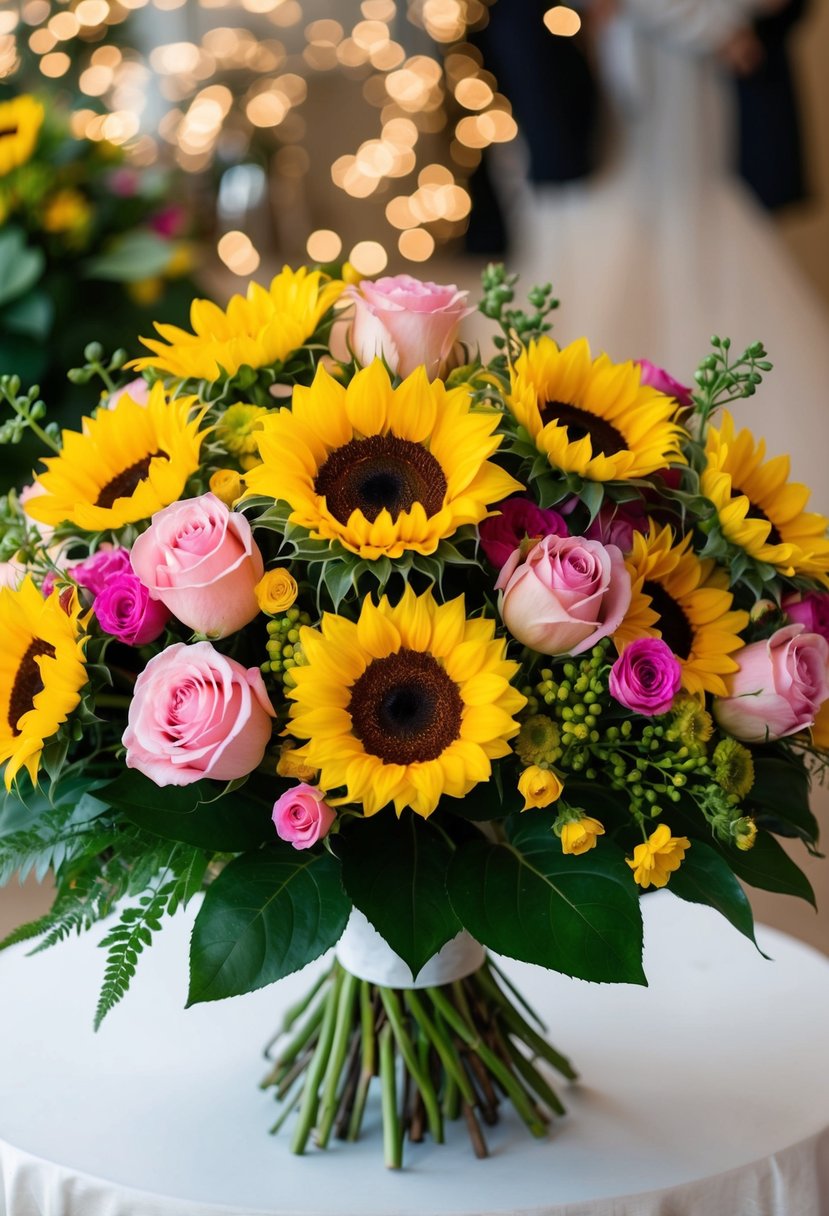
[(530, 901), (395, 872), (491, 799), (136, 255), (779, 798), (31, 315), (20, 267), (266, 915), (768, 866), (705, 877)]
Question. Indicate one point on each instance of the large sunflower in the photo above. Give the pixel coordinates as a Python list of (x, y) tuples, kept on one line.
[(758, 508), (686, 602), (411, 703), (593, 417), (381, 469), (41, 671), (260, 329), (123, 466), (20, 123)]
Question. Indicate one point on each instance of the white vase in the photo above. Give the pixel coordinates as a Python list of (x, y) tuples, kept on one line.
[(363, 952)]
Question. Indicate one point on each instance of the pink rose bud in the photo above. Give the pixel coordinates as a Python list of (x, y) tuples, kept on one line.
[(518, 519), (197, 713), (810, 610), (406, 322), (780, 686), (95, 573), (663, 382), (566, 595), (301, 816), (617, 522), (201, 560), (646, 677), (125, 610)]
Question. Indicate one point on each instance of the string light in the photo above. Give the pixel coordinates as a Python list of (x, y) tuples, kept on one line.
[(562, 21)]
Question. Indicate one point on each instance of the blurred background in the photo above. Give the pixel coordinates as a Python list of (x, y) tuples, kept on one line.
[(664, 163)]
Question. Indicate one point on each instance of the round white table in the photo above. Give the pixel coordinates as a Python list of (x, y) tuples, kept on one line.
[(707, 1093)]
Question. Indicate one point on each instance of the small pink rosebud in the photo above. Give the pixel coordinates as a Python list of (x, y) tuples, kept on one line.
[(302, 817)]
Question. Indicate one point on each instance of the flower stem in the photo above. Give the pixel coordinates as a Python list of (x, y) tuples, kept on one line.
[(316, 1069), (392, 1140), (419, 1075), (336, 1060)]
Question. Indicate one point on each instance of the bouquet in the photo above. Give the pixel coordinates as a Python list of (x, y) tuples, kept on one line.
[(385, 646)]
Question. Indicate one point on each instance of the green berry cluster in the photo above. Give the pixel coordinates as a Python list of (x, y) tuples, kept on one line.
[(283, 646), (573, 700)]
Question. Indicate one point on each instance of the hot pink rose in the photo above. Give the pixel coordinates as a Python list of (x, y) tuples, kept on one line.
[(779, 688), (95, 573), (125, 610), (810, 610), (196, 713), (517, 519), (663, 382), (565, 596), (302, 817), (406, 322), (201, 560), (646, 677)]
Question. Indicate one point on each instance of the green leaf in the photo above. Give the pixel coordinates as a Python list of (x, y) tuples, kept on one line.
[(136, 255), (20, 267), (705, 877), (779, 799), (770, 868), (576, 915), (266, 915), (31, 315), (404, 896)]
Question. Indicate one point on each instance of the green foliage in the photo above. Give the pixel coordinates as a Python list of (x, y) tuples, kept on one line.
[(20, 266), (705, 877), (767, 866), (133, 256), (779, 799), (517, 326), (721, 381)]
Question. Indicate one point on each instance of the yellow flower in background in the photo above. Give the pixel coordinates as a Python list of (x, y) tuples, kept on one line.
[(259, 329), (126, 464), (758, 508), (20, 123), (539, 787), (146, 292), (276, 591), (655, 860), (590, 416), (42, 671), (580, 835), (238, 431), (382, 470), (411, 703), (820, 727), (289, 766), (227, 485), (66, 211)]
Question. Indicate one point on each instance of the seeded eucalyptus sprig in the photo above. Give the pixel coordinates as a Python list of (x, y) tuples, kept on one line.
[(518, 326), (28, 411), (719, 381), (97, 364)]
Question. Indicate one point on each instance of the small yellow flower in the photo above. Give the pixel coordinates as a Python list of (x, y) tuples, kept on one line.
[(579, 836), (539, 786), (745, 833), (66, 211), (146, 292), (20, 123), (239, 428), (656, 859), (227, 485), (289, 765), (276, 591)]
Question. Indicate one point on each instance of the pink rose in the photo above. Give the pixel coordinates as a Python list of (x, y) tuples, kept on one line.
[(196, 713), (137, 390), (302, 817), (201, 560), (617, 522), (518, 518), (565, 596), (779, 688), (95, 573), (663, 382), (646, 677), (406, 322), (12, 574), (125, 610), (810, 610)]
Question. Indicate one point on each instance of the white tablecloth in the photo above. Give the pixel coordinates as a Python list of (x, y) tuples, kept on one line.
[(707, 1093)]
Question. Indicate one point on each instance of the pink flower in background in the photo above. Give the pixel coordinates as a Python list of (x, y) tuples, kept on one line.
[(197, 713), (617, 522), (138, 390), (780, 686), (566, 595), (302, 817), (11, 574), (663, 382), (170, 221), (810, 610), (517, 519), (406, 322), (201, 560), (124, 182), (125, 610), (34, 491), (646, 677)]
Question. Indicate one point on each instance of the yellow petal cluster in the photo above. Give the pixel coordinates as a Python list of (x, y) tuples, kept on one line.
[(20, 123), (579, 835), (655, 860), (539, 787), (276, 591)]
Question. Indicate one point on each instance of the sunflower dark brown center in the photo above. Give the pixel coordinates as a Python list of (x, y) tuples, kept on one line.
[(604, 437), (381, 471), (126, 483), (755, 512), (28, 682), (673, 624), (405, 708)]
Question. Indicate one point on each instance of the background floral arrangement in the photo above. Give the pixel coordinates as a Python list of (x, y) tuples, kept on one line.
[(462, 645)]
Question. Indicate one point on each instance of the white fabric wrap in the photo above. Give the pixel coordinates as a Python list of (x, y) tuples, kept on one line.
[(363, 952)]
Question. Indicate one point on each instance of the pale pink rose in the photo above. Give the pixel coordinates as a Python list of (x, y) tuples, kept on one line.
[(302, 817), (201, 561), (138, 390), (34, 491), (197, 713), (567, 594), (12, 573), (406, 322), (780, 686)]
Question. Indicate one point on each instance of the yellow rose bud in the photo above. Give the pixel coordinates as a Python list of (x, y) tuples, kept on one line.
[(291, 764), (579, 836), (227, 485), (539, 786), (746, 833), (276, 591)]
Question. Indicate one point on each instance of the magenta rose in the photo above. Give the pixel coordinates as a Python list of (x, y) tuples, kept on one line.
[(518, 518), (565, 595), (197, 713), (201, 561), (406, 322), (96, 572), (780, 686), (663, 382), (125, 609), (810, 610), (646, 677), (302, 817)]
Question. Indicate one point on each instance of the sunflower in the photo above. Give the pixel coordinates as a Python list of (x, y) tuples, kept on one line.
[(759, 509), (405, 706), (257, 330), (123, 466), (20, 123), (685, 601), (41, 671), (590, 416), (381, 469)]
